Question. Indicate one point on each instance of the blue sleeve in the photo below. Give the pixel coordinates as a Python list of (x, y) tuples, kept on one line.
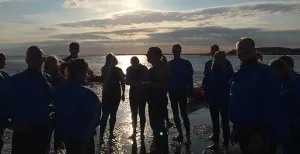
[(91, 109), (205, 80), (270, 98), (6, 97)]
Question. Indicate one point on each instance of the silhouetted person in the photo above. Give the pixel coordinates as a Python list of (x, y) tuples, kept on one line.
[(25, 98), (259, 57), (216, 89), (289, 61), (74, 49), (181, 81), (255, 92), (112, 93), (3, 122), (136, 74), (213, 49), (157, 86), (51, 67), (77, 111), (288, 122)]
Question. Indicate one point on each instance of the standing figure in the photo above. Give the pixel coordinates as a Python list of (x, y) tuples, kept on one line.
[(136, 74), (216, 89), (254, 95), (157, 86), (78, 111), (112, 93), (181, 81), (26, 98)]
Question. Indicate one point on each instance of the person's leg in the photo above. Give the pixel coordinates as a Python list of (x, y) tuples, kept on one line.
[(214, 113), (113, 117), (58, 144), (174, 104), (104, 117), (41, 140), (184, 115), (1, 138), (225, 124), (133, 108), (21, 142), (142, 114), (91, 146)]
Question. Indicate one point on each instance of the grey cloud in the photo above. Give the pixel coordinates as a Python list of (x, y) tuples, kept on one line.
[(48, 29), (152, 16), (73, 3), (80, 36)]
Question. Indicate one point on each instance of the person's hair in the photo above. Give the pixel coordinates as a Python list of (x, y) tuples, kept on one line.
[(156, 51), (247, 39), (289, 61), (177, 46), (34, 49), (77, 67), (2, 56), (111, 60), (260, 56), (74, 44), (280, 65), (134, 59), (63, 68), (218, 56), (47, 61), (216, 46)]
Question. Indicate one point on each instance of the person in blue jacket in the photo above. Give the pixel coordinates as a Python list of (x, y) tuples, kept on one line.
[(3, 122), (77, 111), (288, 126), (25, 97), (216, 89), (113, 92), (136, 74), (181, 81), (213, 49), (254, 94)]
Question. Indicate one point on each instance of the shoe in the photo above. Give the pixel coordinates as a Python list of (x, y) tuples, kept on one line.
[(178, 138), (213, 147)]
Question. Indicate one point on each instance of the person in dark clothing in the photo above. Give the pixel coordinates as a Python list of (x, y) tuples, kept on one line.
[(136, 74), (112, 93), (254, 96), (3, 122), (74, 49), (213, 49), (289, 61), (157, 86), (25, 98), (287, 130), (216, 89), (181, 80), (51, 67), (78, 111)]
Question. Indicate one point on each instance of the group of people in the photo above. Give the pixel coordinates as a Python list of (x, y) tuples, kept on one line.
[(260, 100)]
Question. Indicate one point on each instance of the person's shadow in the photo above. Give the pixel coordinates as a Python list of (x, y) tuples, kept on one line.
[(142, 148)]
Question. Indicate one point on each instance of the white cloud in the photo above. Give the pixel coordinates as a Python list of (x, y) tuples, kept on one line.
[(154, 16), (74, 3)]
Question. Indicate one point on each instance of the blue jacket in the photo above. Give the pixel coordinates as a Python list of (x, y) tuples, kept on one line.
[(209, 63), (78, 111), (181, 75), (5, 75), (216, 84), (254, 95), (25, 98)]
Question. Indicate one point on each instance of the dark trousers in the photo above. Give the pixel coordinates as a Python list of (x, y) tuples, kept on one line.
[(80, 146), (180, 99), (293, 144), (109, 109), (244, 136), (34, 140), (137, 105), (157, 112), (215, 111)]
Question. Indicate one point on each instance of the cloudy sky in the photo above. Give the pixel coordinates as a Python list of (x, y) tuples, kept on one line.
[(132, 26)]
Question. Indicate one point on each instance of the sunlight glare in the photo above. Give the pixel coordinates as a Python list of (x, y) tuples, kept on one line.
[(124, 61), (133, 4)]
